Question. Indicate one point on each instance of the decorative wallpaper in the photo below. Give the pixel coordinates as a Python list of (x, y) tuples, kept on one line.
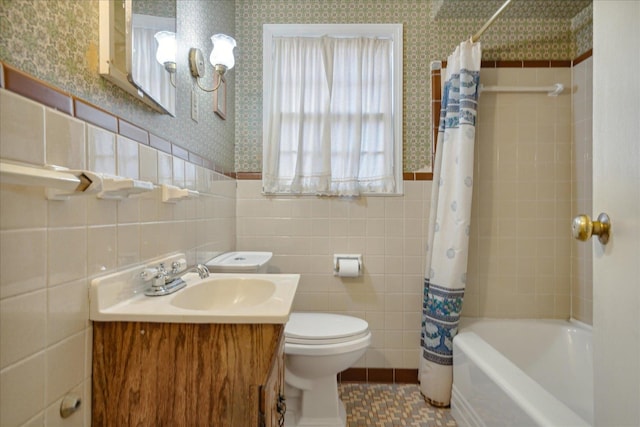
[(517, 9), (57, 41), (165, 8), (252, 14), (582, 28), (517, 39), (533, 32), (198, 20)]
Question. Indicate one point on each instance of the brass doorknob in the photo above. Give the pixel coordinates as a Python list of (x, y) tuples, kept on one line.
[(583, 228)]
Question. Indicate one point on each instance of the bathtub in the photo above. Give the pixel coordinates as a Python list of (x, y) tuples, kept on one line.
[(522, 373)]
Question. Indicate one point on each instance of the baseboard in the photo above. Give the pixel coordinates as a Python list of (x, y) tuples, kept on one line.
[(379, 375)]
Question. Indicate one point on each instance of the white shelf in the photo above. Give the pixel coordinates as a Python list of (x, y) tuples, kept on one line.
[(116, 187), (61, 183), (33, 176), (173, 194)]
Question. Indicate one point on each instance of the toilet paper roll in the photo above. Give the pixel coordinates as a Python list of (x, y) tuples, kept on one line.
[(349, 268)]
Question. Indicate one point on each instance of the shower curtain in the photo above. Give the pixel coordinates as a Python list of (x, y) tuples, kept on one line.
[(449, 221)]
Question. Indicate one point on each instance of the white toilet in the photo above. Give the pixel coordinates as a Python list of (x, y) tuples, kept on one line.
[(317, 347), (240, 262)]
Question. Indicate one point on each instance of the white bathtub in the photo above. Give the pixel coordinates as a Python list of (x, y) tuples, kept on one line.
[(522, 373)]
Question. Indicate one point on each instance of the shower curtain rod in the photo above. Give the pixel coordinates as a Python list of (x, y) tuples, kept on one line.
[(554, 90), (487, 24)]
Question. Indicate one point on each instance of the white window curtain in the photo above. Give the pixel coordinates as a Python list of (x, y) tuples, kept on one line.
[(331, 128), (147, 72)]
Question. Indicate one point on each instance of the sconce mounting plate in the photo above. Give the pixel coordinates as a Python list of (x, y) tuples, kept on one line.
[(196, 62)]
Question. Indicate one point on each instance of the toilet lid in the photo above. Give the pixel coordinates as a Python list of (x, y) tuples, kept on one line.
[(323, 328)]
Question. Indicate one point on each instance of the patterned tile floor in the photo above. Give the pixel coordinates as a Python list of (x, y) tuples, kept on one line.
[(390, 405)]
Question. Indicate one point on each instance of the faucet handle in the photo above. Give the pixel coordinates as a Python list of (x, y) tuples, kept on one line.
[(178, 266), (154, 273), (149, 274)]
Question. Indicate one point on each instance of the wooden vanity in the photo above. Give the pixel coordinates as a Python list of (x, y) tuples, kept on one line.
[(186, 374)]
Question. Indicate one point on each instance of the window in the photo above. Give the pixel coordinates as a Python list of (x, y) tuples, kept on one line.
[(332, 121)]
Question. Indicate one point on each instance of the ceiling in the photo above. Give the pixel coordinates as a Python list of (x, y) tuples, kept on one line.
[(518, 9)]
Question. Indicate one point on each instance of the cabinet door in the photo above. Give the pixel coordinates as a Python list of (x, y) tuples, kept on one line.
[(272, 404), (180, 374)]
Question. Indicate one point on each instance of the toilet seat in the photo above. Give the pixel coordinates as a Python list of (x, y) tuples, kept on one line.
[(317, 346), (324, 329)]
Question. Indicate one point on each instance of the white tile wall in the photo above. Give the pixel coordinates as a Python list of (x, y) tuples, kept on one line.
[(127, 157), (101, 150), (50, 250), (21, 129), (519, 257), (148, 164), (22, 316), (178, 172), (520, 252), (305, 232), (165, 168), (23, 257), (22, 386), (65, 140)]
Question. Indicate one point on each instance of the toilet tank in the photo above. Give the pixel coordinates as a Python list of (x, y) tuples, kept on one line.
[(240, 262)]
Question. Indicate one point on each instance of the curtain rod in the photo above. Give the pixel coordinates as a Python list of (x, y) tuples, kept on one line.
[(487, 24), (554, 90)]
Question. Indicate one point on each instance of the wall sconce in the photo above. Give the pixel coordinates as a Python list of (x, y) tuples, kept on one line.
[(221, 58), (166, 52)]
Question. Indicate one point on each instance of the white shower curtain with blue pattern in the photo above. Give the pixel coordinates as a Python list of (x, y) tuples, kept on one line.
[(449, 222)]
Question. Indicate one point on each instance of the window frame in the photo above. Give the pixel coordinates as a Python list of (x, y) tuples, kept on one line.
[(392, 31)]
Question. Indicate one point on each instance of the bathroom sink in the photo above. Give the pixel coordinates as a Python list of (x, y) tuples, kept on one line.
[(219, 298), (225, 294)]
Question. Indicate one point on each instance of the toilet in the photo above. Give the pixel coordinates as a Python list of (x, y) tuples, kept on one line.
[(240, 262), (317, 347)]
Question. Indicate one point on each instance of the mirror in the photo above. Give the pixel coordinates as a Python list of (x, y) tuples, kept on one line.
[(128, 49)]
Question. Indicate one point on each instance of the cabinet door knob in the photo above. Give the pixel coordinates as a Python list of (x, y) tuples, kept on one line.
[(583, 228)]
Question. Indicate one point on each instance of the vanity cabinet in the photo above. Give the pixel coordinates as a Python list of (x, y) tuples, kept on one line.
[(272, 403), (181, 374)]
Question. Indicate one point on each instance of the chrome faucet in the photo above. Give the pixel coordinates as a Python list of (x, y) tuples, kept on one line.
[(165, 282), (177, 274)]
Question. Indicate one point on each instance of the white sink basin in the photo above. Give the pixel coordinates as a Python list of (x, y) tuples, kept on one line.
[(220, 298), (225, 294)]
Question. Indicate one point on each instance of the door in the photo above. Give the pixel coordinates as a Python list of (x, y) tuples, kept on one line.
[(616, 191)]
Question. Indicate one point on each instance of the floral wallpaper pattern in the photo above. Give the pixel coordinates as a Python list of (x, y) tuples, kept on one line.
[(517, 9), (526, 36), (166, 8), (58, 42), (582, 27)]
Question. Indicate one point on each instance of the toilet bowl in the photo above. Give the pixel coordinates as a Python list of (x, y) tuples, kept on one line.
[(317, 347)]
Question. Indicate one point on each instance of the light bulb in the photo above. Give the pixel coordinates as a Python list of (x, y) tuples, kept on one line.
[(166, 52), (222, 53)]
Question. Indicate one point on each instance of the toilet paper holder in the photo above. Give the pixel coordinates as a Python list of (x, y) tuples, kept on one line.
[(343, 257)]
